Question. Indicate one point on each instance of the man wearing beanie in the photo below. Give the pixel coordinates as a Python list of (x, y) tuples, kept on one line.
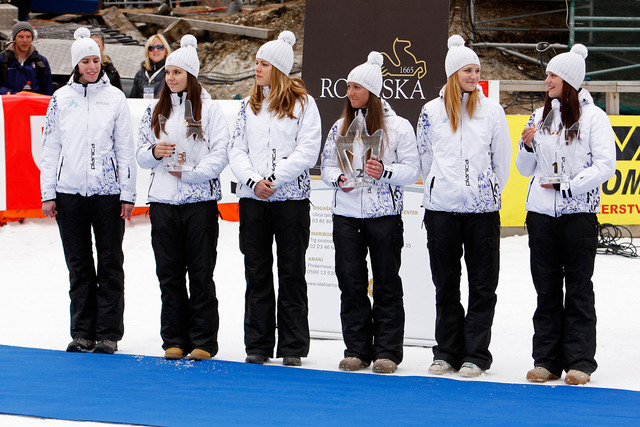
[(22, 68)]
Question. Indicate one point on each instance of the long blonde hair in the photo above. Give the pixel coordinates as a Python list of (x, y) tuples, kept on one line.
[(453, 101), (147, 61), (283, 94)]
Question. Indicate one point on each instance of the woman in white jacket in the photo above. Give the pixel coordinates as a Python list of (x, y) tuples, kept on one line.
[(368, 219), (562, 223), (276, 140), (88, 180), (465, 156), (183, 197)]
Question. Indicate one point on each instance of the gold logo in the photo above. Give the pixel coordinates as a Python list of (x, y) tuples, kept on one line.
[(403, 63)]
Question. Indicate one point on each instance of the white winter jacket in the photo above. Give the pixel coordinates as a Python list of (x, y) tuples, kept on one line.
[(594, 163), (281, 150), (209, 156), (465, 171), (87, 145), (400, 162)]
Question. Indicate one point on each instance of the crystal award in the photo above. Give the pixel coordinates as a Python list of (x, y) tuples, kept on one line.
[(185, 141), (354, 149), (555, 148)]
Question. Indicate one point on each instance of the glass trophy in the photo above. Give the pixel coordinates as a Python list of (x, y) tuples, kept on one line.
[(354, 149), (185, 141), (554, 148)]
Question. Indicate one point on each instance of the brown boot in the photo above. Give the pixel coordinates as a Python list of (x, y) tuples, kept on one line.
[(540, 375), (352, 364), (575, 377), (199, 354), (173, 353), (384, 366)]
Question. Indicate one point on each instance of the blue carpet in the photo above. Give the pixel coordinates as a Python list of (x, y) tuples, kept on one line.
[(151, 391)]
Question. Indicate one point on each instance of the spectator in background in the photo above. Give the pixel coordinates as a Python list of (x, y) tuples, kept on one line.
[(150, 76), (21, 66), (107, 64)]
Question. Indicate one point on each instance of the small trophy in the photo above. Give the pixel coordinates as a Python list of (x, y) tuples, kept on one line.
[(555, 148), (354, 149), (183, 158)]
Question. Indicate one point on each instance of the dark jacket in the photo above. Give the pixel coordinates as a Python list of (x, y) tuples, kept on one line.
[(142, 78), (112, 73), (14, 75)]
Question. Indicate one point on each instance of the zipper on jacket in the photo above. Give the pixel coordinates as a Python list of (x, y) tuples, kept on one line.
[(393, 198), (433, 181), (60, 170), (115, 170), (151, 178), (529, 189)]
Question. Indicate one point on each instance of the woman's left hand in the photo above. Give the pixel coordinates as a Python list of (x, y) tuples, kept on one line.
[(126, 210), (374, 169)]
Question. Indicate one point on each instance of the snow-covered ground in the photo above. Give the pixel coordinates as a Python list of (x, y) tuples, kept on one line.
[(34, 307)]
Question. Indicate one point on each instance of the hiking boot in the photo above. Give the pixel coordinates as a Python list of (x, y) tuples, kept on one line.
[(256, 359), (540, 375), (440, 367), (291, 361), (384, 366), (80, 345), (173, 353), (350, 363), (575, 377), (106, 347), (199, 354), (470, 370)]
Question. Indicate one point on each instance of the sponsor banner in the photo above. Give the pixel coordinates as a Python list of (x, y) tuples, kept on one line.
[(413, 70)]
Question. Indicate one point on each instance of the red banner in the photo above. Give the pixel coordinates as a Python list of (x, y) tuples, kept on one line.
[(23, 115)]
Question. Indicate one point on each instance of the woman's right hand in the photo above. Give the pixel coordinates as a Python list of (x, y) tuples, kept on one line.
[(527, 135), (264, 189), (49, 208), (341, 181), (163, 149)]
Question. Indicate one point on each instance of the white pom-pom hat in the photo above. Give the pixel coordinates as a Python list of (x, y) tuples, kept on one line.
[(369, 74), (279, 53), (83, 46), (458, 55), (187, 56), (570, 66)]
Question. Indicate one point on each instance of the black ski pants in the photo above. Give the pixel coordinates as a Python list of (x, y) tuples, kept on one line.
[(184, 240), (97, 295), (563, 251), (464, 338), (289, 222), (370, 332)]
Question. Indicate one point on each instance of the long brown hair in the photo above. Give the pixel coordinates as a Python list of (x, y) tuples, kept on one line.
[(453, 101), (283, 94), (570, 110), (374, 118), (194, 91)]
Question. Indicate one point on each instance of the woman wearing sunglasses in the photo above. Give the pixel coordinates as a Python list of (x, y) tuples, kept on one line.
[(151, 72)]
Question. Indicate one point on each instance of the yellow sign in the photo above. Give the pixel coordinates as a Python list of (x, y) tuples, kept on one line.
[(403, 63), (620, 196)]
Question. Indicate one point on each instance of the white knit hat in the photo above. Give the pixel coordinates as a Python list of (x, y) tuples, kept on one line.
[(369, 74), (187, 56), (570, 66), (458, 55), (83, 46), (279, 53)]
